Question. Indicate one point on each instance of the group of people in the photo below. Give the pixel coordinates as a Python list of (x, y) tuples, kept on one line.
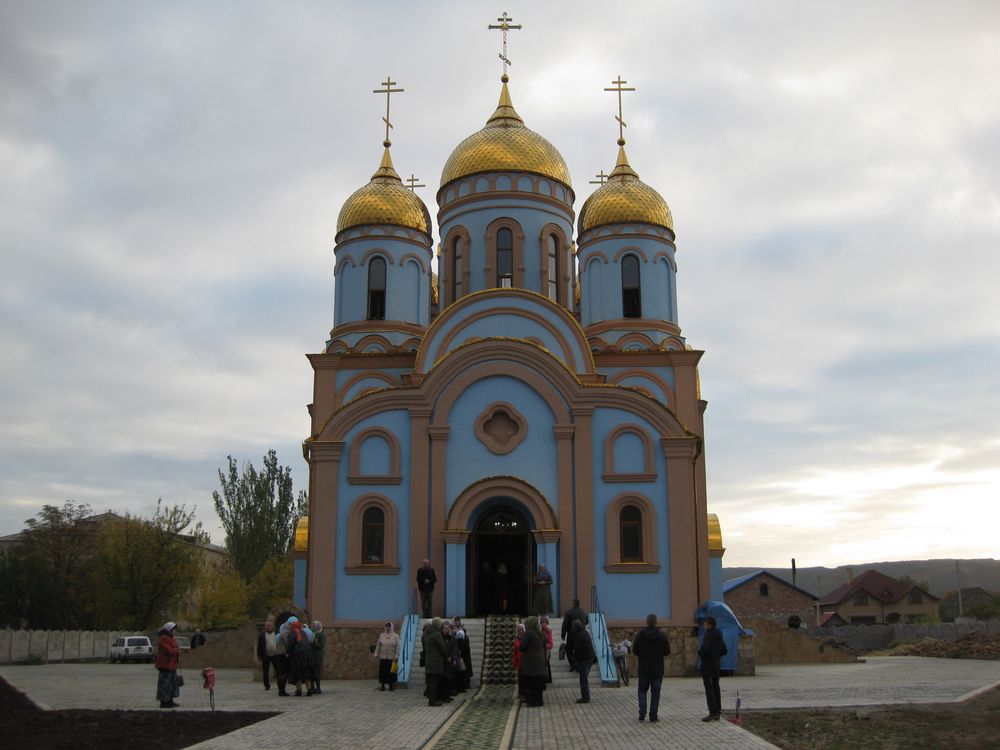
[(295, 652), (532, 659), (447, 660)]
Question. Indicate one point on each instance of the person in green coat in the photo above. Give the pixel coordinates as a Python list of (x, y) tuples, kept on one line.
[(319, 652), (533, 661), (435, 658)]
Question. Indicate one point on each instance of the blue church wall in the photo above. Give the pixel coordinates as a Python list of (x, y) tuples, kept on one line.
[(532, 216), (533, 461), (374, 597), (407, 280), (630, 595), (715, 572), (656, 279)]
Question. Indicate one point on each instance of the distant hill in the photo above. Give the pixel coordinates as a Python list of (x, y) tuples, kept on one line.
[(939, 574)]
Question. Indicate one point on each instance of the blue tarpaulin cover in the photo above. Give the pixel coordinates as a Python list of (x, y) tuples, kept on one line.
[(730, 627)]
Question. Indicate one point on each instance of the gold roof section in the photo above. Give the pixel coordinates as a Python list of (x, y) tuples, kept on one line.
[(385, 201), (714, 532), (624, 199), (505, 144), (301, 543)]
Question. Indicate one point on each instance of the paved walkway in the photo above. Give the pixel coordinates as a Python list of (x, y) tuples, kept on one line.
[(353, 714)]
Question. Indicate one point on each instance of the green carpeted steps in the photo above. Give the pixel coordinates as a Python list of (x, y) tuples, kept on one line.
[(498, 668)]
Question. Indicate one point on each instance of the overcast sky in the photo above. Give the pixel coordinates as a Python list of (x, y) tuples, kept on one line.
[(171, 175)]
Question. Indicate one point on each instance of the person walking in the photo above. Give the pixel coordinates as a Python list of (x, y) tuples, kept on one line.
[(198, 639), (435, 656), (267, 651), (573, 614), (650, 647), (583, 650), (426, 578), (543, 591), (711, 651), (167, 652), (318, 655), (387, 652), (532, 649)]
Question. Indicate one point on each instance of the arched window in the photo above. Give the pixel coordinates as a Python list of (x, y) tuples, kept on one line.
[(631, 293), (376, 289), (630, 524), (457, 269), (505, 258), (552, 247), (373, 536)]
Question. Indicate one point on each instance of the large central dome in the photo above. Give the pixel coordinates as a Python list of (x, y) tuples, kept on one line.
[(505, 144)]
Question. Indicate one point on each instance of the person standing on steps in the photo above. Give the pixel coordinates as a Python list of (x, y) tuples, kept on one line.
[(650, 647), (426, 578), (573, 614), (711, 651), (583, 650)]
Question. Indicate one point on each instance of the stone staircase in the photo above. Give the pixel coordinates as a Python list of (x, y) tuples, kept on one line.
[(475, 630)]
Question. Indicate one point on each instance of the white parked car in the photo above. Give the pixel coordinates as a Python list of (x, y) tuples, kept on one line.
[(132, 648)]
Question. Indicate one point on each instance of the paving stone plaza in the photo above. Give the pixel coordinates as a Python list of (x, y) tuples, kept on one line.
[(353, 714)]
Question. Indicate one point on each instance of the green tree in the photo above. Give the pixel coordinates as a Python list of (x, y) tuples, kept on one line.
[(221, 601), (272, 586), (145, 566), (258, 511), (46, 580)]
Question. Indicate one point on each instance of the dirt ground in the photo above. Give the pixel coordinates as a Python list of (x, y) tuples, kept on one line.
[(23, 725), (974, 724)]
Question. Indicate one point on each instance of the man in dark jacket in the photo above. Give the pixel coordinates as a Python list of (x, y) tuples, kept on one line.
[(650, 646), (426, 578), (271, 653), (583, 648), (435, 659), (573, 614), (711, 651)]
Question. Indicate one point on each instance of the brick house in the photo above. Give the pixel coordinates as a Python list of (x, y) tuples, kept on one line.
[(874, 597), (763, 595)]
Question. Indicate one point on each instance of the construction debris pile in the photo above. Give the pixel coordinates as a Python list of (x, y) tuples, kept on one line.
[(973, 645)]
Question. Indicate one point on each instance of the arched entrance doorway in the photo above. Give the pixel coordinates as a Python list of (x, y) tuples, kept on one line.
[(500, 561)]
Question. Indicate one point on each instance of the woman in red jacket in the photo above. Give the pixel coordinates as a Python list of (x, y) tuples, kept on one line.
[(166, 665)]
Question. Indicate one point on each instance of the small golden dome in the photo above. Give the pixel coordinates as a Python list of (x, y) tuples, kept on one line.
[(624, 199), (505, 144), (714, 532), (384, 200)]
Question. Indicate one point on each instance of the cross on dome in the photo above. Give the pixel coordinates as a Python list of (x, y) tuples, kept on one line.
[(412, 180), (388, 91), (601, 178), (621, 123), (504, 26)]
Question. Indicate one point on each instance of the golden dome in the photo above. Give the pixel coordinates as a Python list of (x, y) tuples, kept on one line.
[(384, 200), (624, 199), (505, 144)]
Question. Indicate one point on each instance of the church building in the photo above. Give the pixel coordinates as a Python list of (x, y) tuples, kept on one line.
[(532, 402)]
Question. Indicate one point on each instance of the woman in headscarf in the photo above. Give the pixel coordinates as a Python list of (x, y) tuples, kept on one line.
[(463, 675), (318, 655), (516, 660), (167, 652), (387, 651), (547, 632), (299, 656), (533, 661)]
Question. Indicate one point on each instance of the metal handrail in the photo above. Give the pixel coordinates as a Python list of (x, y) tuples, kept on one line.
[(407, 641), (599, 628)]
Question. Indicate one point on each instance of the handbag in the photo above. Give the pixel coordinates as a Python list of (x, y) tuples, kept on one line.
[(460, 666), (395, 667), (562, 651), (179, 679)]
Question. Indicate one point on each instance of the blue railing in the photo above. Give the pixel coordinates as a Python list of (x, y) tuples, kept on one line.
[(408, 642), (602, 641)]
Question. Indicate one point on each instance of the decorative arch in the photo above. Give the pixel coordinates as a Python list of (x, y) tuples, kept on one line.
[(611, 474), (354, 475), (561, 263), (344, 392), (490, 269), (381, 252), (650, 562), (662, 385), (354, 564), (631, 250), (661, 254), (416, 259), (595, 256), (460, 515), (340, 264), (447, 287), (644, 341)]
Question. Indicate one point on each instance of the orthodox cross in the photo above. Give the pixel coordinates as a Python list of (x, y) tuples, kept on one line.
[(601, 178), (413, 183), (388, 91), (621, 123), (505, 25)]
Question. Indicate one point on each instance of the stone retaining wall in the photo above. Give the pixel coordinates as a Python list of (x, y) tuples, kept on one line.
[(776, 643), (684, 651), (20, 646), (878, 637)]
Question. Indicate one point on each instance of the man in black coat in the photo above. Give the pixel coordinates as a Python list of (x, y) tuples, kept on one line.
[(711, 651), (573, 614), (650, 646), (426, 578), (583, 648)]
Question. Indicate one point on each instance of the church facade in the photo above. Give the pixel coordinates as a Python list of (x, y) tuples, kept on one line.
[(533, 402)]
